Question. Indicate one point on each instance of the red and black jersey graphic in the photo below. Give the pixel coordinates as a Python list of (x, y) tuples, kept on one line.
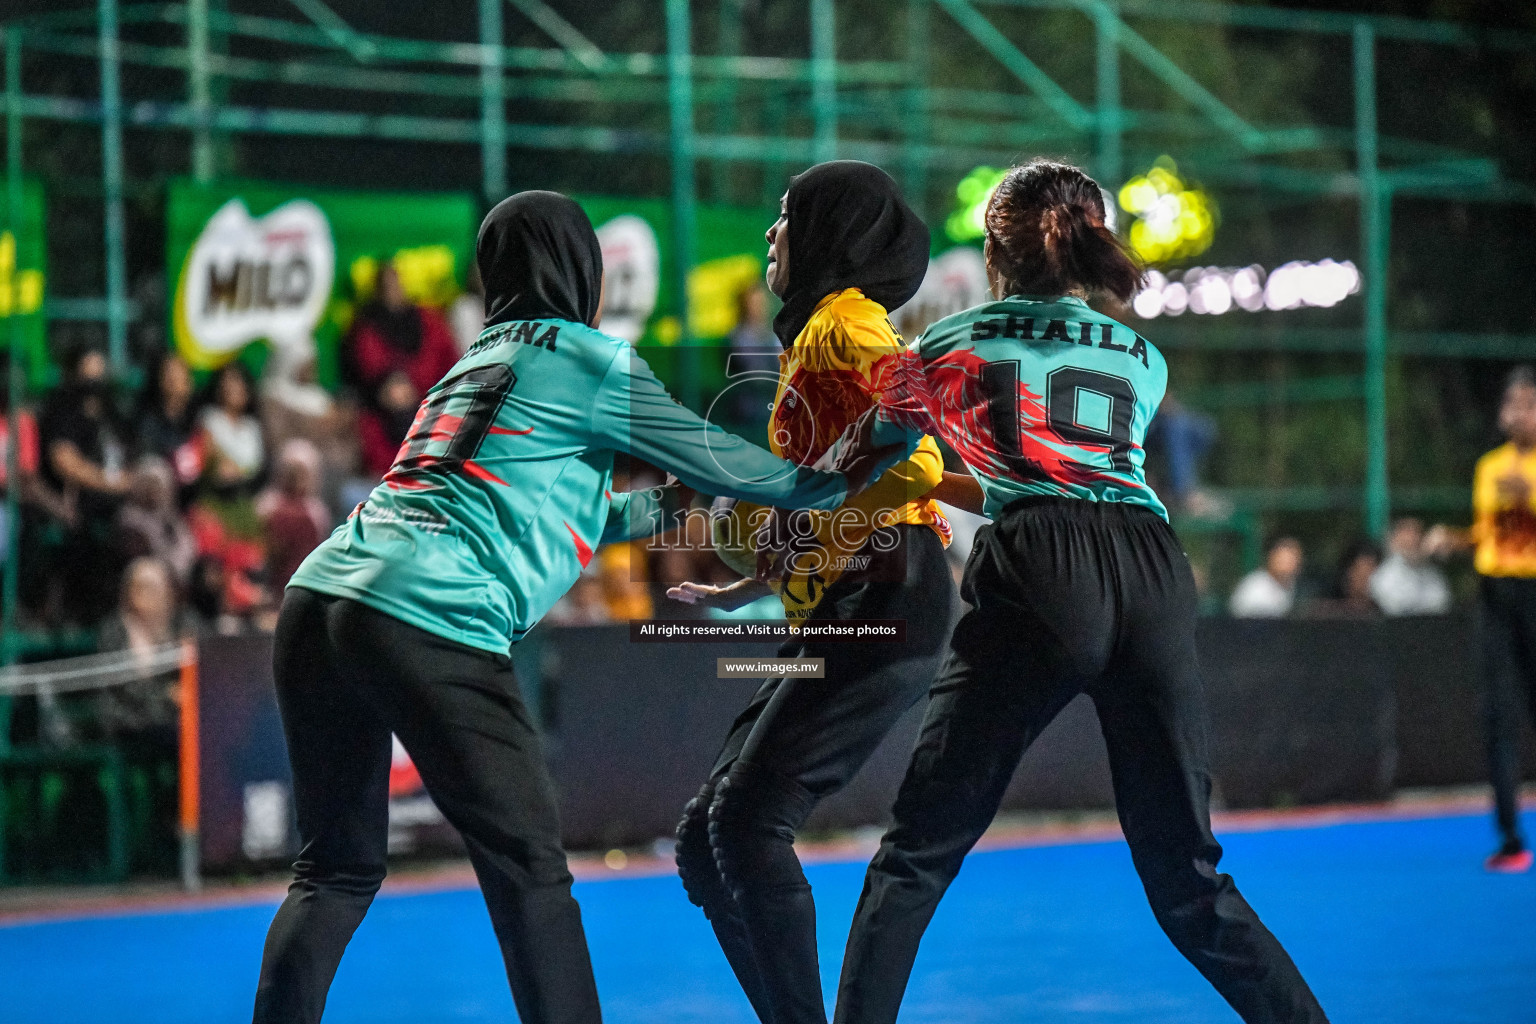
[(450, 427), (998, 425), (815, 409)]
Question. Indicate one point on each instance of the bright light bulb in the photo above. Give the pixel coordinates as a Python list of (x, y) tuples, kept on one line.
[(1148, 303), (1175, 299)]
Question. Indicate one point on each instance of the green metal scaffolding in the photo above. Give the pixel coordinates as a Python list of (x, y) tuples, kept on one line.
[(923, 127)]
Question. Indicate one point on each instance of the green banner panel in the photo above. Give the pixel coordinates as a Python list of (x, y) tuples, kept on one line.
[(287, 265), (23, 283), (639, 266)]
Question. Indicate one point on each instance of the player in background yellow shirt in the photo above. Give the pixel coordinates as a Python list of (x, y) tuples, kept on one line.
[(1504, 536), (844, 252)]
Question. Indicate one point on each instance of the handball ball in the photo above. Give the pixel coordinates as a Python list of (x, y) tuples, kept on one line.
[(733, 525)]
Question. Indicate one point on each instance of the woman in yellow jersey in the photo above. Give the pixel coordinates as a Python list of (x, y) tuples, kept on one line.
[(845, 250), (1504, 534)]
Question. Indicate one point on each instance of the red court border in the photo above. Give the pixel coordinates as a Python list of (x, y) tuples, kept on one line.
[(1091, 827)]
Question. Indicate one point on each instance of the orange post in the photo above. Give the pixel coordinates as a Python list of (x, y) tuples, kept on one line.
[(190, 767)]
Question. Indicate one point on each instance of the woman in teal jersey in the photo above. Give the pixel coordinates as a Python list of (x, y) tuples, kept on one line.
[(1078, 586), (399, 623)]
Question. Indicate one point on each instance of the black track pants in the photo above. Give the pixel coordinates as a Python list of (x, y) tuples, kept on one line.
[(800, 740), (348, 676), (1508, 624), (1069, 596)]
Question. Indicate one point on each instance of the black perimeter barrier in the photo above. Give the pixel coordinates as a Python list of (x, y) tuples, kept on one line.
[(1302, 712)]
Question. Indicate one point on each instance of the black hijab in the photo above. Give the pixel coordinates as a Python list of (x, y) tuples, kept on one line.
[(849, 228), (539, 260)]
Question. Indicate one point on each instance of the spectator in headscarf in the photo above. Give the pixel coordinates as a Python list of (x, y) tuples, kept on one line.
[(150, 525), (293, 518), (395, 352)]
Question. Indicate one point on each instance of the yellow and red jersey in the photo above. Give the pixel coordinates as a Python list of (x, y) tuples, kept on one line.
[(1504, 512), (827, 379)]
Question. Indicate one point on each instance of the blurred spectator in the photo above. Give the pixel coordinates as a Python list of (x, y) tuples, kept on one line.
[(236, 450), (468, 310), (1406, 583), (1184, 437), (140, 717), (394, 353), (151, 526), (1270, 592), (224, 520), (240, 561), (84, 456), (165, 416), (1351, 595), (294, 405), (754, 350), (217, 597), (147, 618), (294, 520)]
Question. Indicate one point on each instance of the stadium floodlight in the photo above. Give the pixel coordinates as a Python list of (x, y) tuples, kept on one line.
[(1212, 291), (1174, 220)]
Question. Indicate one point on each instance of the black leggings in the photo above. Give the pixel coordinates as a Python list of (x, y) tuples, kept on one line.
[(798, 741), (1069, 596), (1508, 623), (348, 676)]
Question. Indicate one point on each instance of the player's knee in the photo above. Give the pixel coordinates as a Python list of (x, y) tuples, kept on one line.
[(1190, 920), (695, 858), (349, 881), (754, 812), (1185, 895), (936, 823)]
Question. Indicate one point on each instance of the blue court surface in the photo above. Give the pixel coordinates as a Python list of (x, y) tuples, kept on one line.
[(1391, 921)]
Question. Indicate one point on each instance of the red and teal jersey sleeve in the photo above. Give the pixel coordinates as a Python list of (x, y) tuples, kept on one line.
[(1037, 397), (503, 487)]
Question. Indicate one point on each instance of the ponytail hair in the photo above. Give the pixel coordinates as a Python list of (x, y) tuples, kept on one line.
[(1046, 235)]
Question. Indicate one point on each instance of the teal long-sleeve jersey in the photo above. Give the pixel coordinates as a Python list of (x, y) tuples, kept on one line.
[(1039, 396), (502, 489)]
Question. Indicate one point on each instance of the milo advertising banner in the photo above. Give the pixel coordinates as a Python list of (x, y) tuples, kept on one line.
[(23, 282), (257, 262), (639, 266), (284, 266), (287, 266)]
